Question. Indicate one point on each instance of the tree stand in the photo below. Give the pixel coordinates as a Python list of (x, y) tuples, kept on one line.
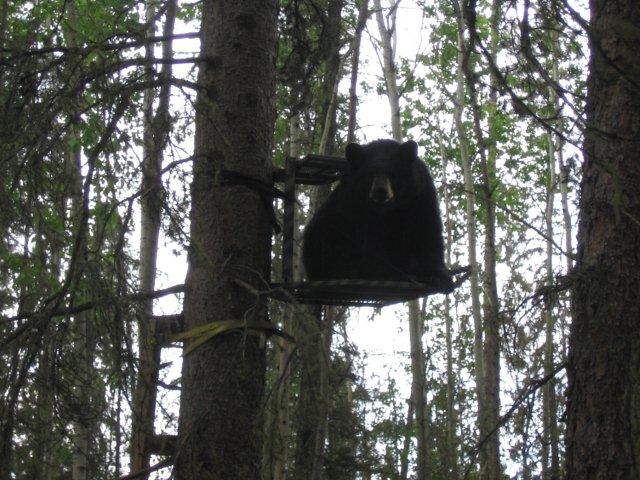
[(322, 170)]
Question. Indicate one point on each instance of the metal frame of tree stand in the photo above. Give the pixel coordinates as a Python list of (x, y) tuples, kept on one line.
[(322, 170)]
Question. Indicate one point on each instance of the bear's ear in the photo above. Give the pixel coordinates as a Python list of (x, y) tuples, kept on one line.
[(355, 155), (409, 150)]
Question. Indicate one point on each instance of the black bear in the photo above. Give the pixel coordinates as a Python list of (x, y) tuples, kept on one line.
[(382, 222)]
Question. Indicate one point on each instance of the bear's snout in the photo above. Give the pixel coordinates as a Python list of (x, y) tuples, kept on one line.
[(381, 191)]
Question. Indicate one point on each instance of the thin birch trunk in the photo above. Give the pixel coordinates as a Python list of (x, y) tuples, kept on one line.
[(564, 178), (490, 467), (564, 170), (155, 136), (278, 422), (387, 33), (566, 214), (82, 418), (418, 389), (44, 440), (418, 398), (406, 444), (83, 343), (451, 449), (550, 455), (281, 432), (363, 14), (488, 154), (470, 214)]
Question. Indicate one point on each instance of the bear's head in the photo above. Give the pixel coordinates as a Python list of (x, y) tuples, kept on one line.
[(383, 174)]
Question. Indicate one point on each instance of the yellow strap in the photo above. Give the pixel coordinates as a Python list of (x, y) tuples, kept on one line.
[(203, 333)]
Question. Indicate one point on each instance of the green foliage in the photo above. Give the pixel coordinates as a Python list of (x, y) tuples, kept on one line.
[(62, 81)]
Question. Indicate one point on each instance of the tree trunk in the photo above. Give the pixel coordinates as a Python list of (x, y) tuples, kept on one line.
[(418, 389), (550, 456), (451, 448), (470, 214), (418, 394), (363, 15), (279, 429), (314, 327), (82, 417), (566, 214), (406, 444), (490, 467), (223, 379), (83, 337), (45, 401), (491, 356), (564, 170), (311, 409), (387, 33), (603, 412), (331, 57), (13, 380), (6, 409), (313, 332), (156, 131)]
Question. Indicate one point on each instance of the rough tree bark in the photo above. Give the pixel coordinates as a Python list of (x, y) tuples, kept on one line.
[(603, 412), (223, 379), (156, 131)]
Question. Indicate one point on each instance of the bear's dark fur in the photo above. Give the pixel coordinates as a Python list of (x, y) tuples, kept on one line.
[(382, 222)]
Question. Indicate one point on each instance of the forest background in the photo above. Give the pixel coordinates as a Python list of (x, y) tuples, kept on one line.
[(118, 148)]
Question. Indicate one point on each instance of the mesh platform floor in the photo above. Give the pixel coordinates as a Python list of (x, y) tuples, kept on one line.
[(363, 292)]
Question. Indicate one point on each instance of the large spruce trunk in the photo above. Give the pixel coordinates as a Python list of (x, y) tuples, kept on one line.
[(603, 415), (223, 380)]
